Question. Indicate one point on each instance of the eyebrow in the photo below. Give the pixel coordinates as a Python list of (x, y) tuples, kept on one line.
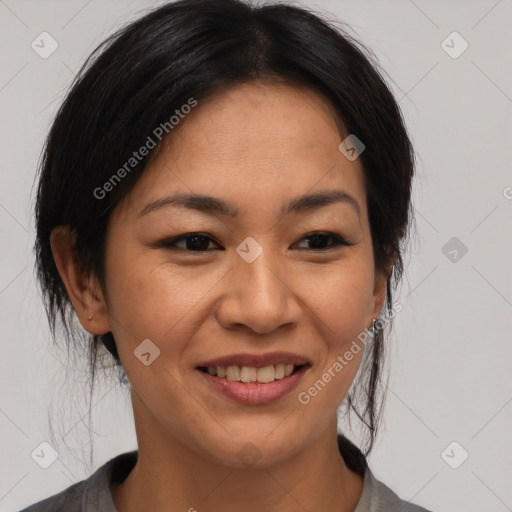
[(216, 206)]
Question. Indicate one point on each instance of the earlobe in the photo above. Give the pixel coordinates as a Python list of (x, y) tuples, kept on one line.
[(83, 291)]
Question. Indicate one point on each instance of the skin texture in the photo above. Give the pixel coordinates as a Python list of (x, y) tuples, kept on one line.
[(257, 146)]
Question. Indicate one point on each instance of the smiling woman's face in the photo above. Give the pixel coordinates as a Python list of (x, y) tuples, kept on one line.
[(257, 280)]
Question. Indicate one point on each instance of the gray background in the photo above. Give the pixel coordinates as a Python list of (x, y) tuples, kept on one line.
[(450, 353)]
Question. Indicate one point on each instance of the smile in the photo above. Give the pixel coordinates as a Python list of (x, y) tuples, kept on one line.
[(251, 374), (252, 386)]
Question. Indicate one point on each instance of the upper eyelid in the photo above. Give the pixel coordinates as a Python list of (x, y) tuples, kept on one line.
[(180, 238)]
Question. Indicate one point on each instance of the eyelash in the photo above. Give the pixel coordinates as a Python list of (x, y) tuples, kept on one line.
[(170, 242)]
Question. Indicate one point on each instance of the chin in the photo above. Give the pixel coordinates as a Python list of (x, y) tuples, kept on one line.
[(250, 451)]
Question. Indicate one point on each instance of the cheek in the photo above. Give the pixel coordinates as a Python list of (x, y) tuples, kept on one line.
[(164, 302), (156, 301), (342, 304), (342, 299)]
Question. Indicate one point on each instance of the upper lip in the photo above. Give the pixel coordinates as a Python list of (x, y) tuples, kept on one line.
[(256, 360)]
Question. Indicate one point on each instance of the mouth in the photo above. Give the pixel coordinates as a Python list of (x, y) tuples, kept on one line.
[(247, 374), (254, 379)]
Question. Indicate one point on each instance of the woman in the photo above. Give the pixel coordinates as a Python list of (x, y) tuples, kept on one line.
[(222, 203)]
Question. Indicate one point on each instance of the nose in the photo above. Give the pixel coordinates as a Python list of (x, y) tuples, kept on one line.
[(258, 297)]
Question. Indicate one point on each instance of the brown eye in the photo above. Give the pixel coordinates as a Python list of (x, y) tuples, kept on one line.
[(200, 242), (319, 241), (193, 242)]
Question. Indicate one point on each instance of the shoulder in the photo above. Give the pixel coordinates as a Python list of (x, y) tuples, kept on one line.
[(378, 496), (91, 494), (68, 500)]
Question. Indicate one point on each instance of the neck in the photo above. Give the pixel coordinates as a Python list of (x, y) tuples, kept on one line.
[(169, 476)]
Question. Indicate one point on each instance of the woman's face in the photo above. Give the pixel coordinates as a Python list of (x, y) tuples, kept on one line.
[(255, 282)]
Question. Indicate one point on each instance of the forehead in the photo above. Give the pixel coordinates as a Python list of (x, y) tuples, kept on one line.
[(252, 123), (258, 142), (248, 117)]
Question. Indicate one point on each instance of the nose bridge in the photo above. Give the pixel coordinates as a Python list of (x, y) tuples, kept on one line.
[(258, 295), (262, 281)]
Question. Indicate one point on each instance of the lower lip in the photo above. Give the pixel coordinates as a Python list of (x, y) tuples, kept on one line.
[(255, 392)]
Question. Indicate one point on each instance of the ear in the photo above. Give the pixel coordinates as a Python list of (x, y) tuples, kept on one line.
[(84, 291), (380, 289)]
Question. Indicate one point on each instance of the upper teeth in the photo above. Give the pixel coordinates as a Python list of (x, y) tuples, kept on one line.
[(250, 374)]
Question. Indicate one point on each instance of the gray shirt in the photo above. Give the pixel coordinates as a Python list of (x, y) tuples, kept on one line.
[(93, 494)]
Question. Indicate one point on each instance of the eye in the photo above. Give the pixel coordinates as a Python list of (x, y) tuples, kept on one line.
[(194, 242), (317, 241), (199, 242)]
